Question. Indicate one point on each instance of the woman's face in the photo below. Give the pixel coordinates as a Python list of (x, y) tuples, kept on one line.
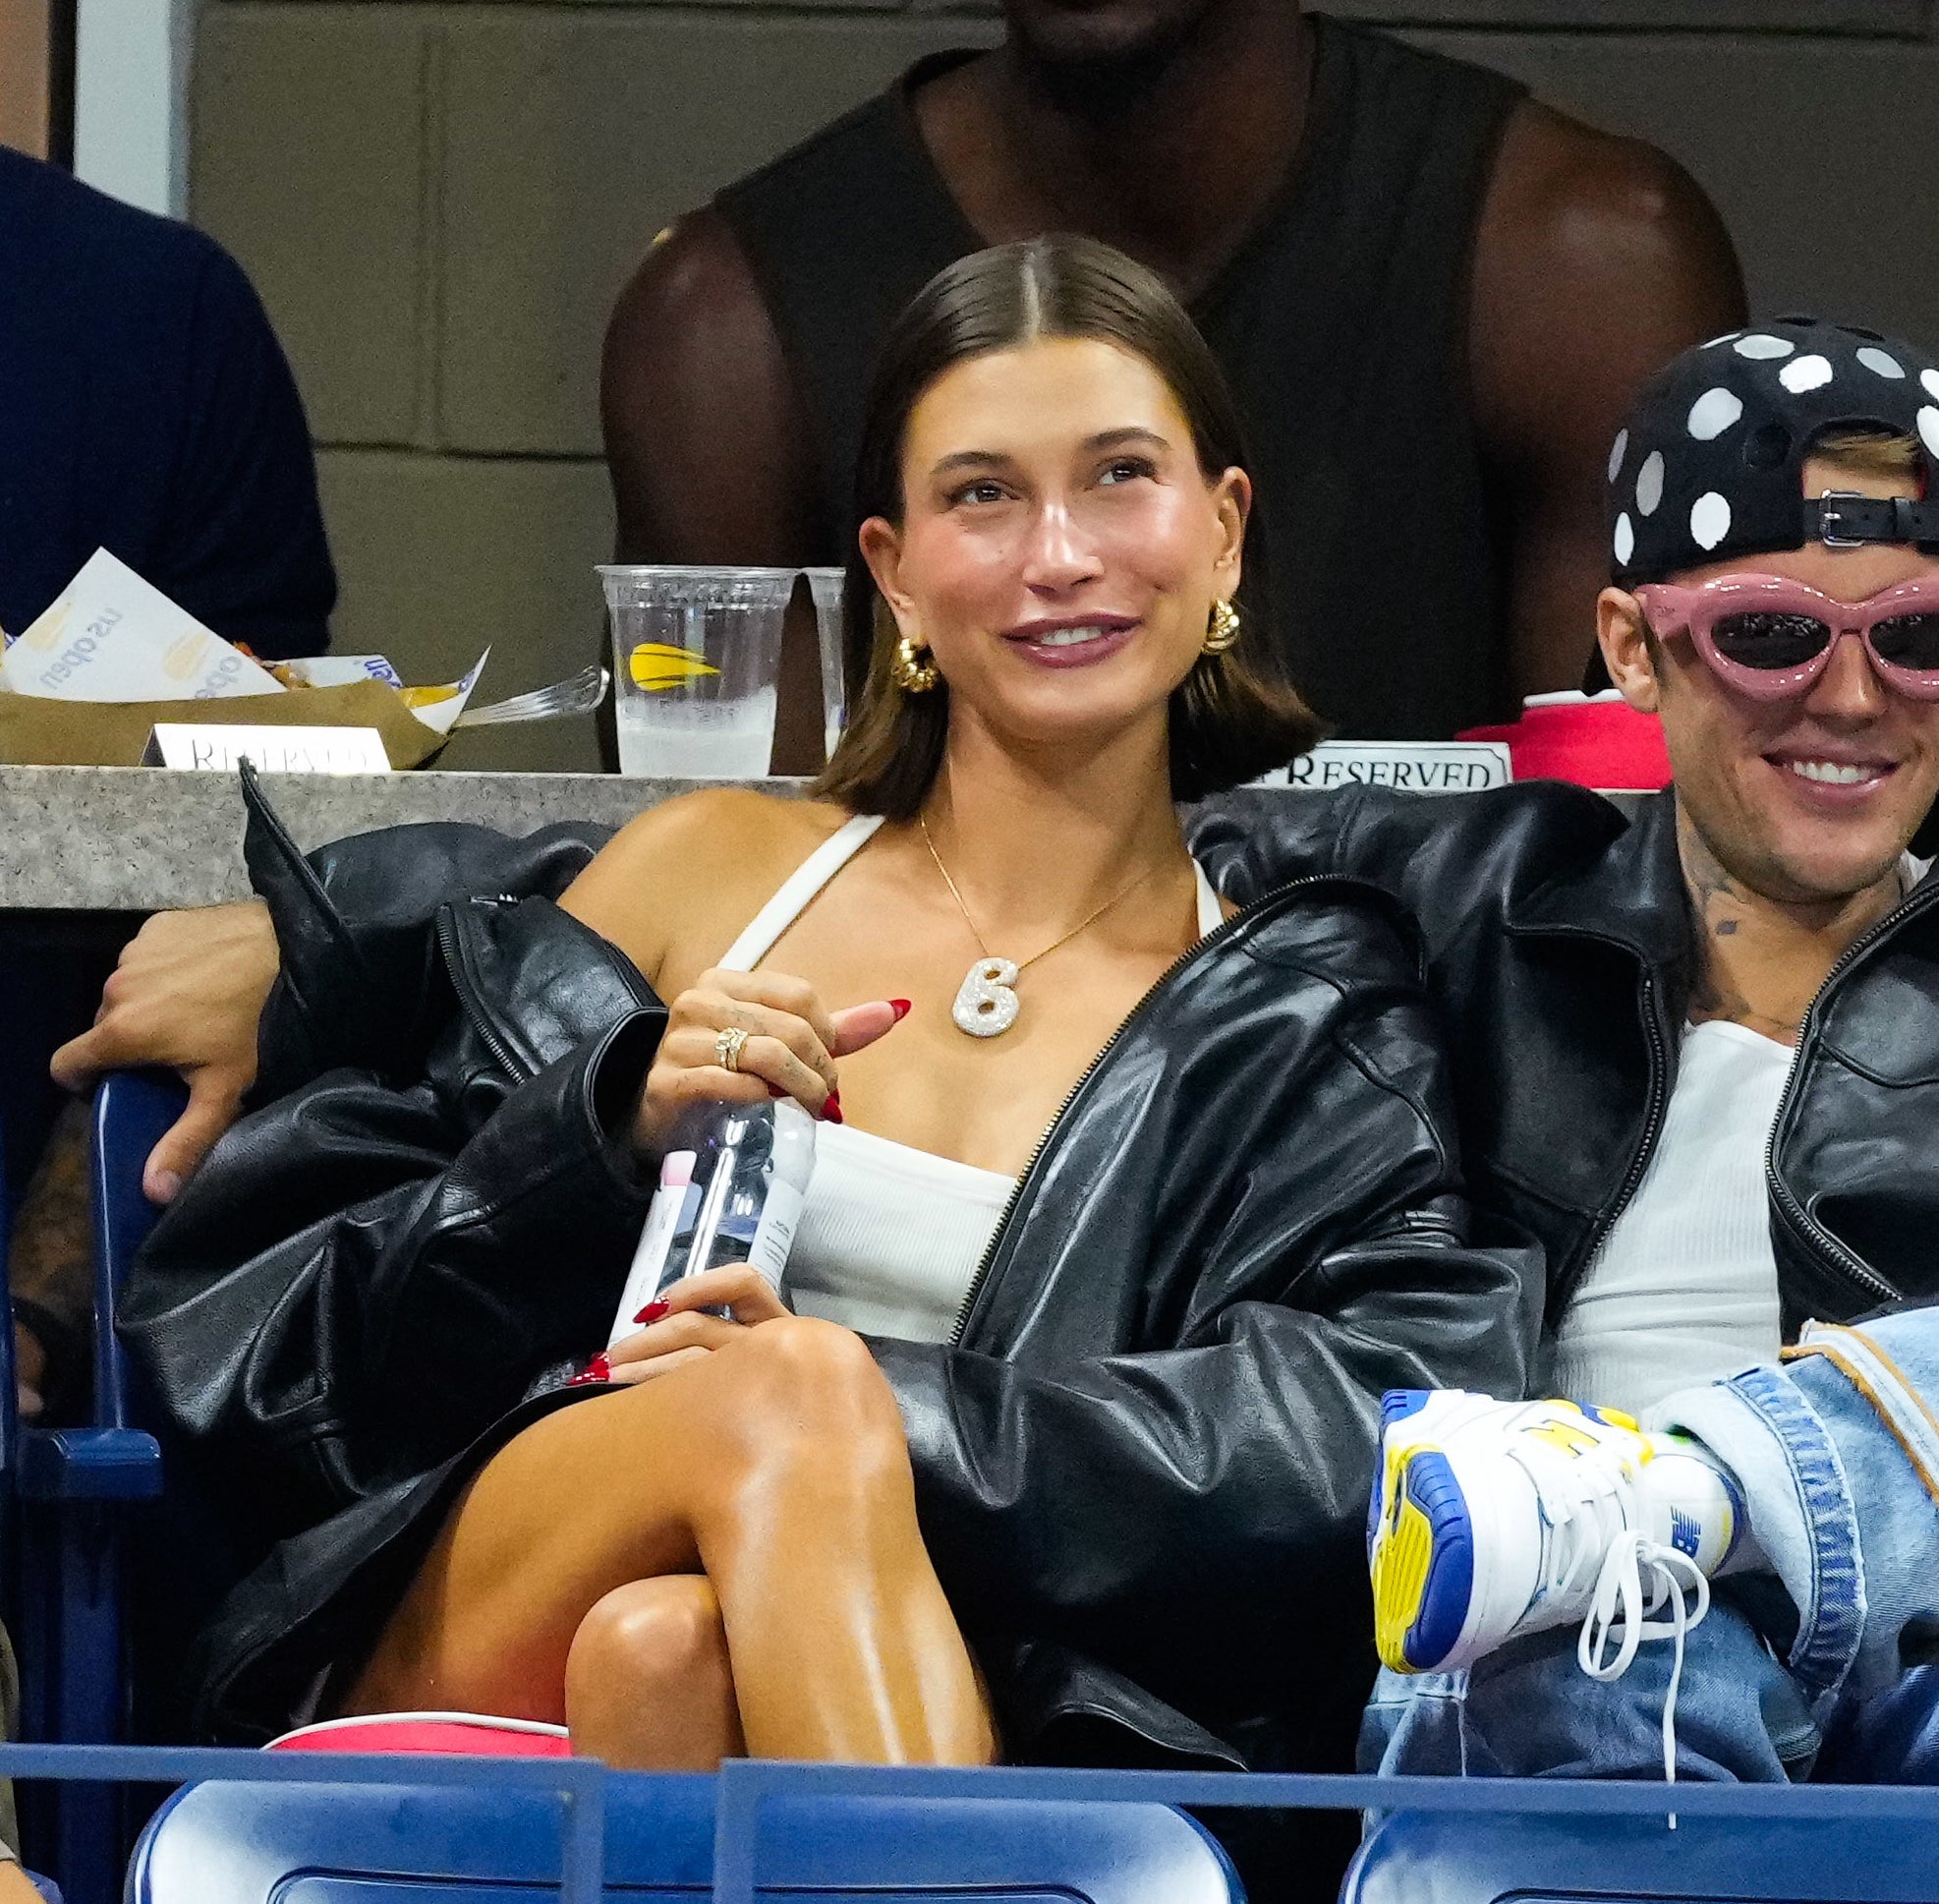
[(1060, 549)]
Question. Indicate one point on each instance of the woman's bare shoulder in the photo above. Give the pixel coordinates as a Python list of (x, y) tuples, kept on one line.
[(700, 865), (721, 820)]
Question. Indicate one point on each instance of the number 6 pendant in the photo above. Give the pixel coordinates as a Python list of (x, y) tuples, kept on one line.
[(986, 1004)]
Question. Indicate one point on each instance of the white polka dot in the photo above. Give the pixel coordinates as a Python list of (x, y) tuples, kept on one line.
[(1714, 412), (1619, 449), (1625, 539), (1930, 379), (1710, 520), (1808, 373), (1928, 428), (1649, 482), (1760, 348), (1880, 363)]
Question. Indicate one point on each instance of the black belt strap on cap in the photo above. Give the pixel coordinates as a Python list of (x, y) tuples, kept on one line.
[(1844, 520)]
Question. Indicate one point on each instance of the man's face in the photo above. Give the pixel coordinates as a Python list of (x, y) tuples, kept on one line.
[(1100, 34), (1751, 775)]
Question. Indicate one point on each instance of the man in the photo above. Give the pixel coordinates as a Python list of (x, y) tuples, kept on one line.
[(145, 407), (1434, 297), (1698, 1056)]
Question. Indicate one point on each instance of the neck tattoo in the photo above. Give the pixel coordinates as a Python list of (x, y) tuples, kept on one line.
[(986, 1004), (1723, 909)]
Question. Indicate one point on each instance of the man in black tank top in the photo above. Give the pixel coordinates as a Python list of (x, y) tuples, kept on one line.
[(1435, 299)]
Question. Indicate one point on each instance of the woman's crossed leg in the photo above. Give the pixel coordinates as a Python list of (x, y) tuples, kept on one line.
[(726, 1558)]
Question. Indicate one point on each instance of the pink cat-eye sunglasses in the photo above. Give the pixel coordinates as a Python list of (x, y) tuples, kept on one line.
[(1770, 637)]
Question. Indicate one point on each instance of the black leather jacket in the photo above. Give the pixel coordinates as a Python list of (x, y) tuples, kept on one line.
[(1143, 1466), (1560, 951)]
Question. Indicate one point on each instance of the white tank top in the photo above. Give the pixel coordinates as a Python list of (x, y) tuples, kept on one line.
[(890, 1236), (1685, 1288)]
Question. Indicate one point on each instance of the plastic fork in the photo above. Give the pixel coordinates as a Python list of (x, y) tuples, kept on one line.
[(579, 693)]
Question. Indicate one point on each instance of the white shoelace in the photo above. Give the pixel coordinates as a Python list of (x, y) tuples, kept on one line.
[(1621, 1598), (1589, 1507)]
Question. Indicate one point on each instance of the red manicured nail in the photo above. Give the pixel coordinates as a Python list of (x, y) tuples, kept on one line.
[(900, 1007), (599, 1369), (653, 1313), (832, 1108)]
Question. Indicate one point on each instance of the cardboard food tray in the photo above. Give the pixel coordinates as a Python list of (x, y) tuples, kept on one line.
[(40, 733)]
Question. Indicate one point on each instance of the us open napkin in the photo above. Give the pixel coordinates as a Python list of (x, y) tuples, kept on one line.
[(114, 656), (111, 636), (439, 707)]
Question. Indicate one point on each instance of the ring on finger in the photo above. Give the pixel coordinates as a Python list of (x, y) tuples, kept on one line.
[(727, 1045)]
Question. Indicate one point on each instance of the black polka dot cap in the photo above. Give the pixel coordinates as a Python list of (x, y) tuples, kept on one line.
[(1711, 465)]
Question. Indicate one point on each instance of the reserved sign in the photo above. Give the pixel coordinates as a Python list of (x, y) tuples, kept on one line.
[(1413, 766), (214, 749)]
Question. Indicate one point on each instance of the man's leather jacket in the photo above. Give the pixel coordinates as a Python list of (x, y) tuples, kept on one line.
[(1142, 1467), (1561, 949)]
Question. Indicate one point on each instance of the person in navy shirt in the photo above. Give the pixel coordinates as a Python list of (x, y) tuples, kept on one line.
[(145, 407)]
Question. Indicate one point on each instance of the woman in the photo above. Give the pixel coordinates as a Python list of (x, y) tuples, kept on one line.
[(1124, 1215)]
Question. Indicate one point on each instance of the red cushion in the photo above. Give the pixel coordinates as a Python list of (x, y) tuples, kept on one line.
[(1602, 742), (429, 1732)]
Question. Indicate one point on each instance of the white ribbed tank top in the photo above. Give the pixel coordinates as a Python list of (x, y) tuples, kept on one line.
[(890, 1236), (1685, 1288)]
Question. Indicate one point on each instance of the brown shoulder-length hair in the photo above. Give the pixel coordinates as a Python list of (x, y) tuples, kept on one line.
[(1233, 716)]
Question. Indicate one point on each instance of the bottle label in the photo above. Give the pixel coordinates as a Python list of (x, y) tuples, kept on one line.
[(780, 1215), (673, 1201)]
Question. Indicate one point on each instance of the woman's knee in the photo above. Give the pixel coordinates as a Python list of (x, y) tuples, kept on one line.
[(813, 1388), (649, 1683), (646, 1635)]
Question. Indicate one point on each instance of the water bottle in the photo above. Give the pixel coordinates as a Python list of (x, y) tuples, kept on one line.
[(733, 1180)]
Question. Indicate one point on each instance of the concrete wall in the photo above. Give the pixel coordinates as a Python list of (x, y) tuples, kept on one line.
[(25, 47), (438, 202)]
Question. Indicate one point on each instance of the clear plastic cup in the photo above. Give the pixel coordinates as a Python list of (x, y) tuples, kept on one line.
[(825, 585), (697, 655)]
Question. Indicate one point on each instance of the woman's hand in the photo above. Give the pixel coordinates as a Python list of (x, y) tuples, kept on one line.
[(681, 1332), (790, 1045)]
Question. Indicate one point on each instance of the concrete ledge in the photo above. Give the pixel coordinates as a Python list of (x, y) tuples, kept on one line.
[(142, 839)]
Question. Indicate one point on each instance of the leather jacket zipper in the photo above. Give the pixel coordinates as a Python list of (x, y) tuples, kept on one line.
[(1654, 1109), (1796, 1216), (473, 1006), (1799, 1220), (1091, 1071)]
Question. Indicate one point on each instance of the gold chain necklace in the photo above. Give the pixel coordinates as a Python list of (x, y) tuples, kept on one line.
[(987, 1003)]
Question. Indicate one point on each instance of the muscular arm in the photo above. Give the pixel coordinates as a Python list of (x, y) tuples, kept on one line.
[(708, 452), (186, 996), (1596, 261)]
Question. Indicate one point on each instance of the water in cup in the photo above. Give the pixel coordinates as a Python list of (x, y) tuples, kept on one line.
[(697, 740), (697, 657)]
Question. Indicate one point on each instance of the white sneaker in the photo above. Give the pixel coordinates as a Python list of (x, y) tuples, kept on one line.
[(1491, 1520)]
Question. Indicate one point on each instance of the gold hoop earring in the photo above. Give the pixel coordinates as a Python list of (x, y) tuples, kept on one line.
[(912, 670), (1224, 632)]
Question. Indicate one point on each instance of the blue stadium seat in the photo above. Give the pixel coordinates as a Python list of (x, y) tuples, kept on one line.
[(360, 1844), (72, 1489), (1445, 1858)]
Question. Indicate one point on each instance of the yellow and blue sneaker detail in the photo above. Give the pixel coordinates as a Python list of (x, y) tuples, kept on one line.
[(1490, 1520)]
